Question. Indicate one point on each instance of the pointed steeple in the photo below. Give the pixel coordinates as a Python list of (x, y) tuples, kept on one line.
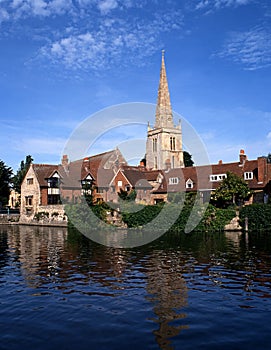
[(163, 115)]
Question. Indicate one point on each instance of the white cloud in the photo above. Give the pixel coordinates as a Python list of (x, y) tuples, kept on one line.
[(251, 49), (89, 38), (41, 146), (17, 9), (218, 4), (106, 6), (4, 15), (122, 40)]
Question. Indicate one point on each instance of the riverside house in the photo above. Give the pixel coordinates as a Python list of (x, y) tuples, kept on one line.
[(104, 175)]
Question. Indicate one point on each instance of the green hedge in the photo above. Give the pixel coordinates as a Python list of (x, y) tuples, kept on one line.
[(258, 215), (213, 219)]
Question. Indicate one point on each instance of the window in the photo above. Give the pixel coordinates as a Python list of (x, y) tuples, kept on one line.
[(53, 182), (119, 183), (99, 190), (53, 199), (173, 181), (189, 184), (29, 181), (172, 143), (87, 181), (217, 177), (127, 188), (248, 175), (155, 163), (29, 200), (154, 145), (172, 162)]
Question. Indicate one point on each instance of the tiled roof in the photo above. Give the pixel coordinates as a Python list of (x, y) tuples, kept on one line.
[(43, 172), (200, 175), (101, 168)]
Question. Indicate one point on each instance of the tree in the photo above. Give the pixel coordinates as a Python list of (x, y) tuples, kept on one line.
[(5, 181), (18, 178), (127, 196), (187, 158), (269, 158), (232, 190)]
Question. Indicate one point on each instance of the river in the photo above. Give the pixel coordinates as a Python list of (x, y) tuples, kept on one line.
[(59, 290)]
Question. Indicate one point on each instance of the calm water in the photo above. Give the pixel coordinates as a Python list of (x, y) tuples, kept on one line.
[(59, 290)]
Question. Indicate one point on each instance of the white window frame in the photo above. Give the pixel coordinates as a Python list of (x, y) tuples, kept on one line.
[(248, 175), (173, 181), (189, 184), (120, 183), (217, 177)]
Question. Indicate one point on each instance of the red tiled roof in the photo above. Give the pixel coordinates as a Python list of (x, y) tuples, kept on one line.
[(43, 172), (200, 175)]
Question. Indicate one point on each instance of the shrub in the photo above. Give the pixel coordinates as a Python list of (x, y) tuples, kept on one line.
[(258, 215)]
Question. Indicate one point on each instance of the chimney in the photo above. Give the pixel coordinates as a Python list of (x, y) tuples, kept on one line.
[(261, 169), (220, 162), (65, 160), (242, 157), (142, 162)]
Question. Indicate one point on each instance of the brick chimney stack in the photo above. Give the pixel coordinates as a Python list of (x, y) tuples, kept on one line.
[(65, 160), (242, 156), (262, 167)]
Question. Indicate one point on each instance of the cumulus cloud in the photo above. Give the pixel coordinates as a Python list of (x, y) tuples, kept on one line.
[(251, 49)]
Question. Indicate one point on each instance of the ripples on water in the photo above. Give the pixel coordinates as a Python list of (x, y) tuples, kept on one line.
[(59, 290)]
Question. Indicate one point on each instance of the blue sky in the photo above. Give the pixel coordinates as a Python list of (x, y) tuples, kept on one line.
[(64, 60)]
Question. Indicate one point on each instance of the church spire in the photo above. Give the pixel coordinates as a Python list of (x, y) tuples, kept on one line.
[(163, 115)]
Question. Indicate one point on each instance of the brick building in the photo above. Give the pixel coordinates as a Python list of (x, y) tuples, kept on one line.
[(104, 175)]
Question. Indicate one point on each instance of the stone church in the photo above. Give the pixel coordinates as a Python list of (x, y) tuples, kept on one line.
[(164, 140)]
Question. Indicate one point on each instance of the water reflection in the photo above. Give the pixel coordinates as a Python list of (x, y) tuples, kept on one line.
[(162, 276), (168, 293)]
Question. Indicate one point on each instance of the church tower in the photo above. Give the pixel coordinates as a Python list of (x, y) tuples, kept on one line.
[(164, 140)]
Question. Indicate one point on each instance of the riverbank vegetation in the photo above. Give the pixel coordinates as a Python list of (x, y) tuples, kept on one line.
[(225, 203)]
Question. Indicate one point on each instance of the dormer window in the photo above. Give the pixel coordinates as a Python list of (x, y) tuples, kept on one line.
[(87, 180), (189, 184), (53, 181), (217, 177), (53, 189), (173, 181), (248, 175)]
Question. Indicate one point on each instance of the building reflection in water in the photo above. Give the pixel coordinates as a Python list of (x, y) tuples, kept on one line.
[(51, 261), (38, 251), (168, 292)]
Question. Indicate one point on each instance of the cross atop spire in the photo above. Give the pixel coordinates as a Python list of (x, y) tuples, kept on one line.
[(163, 115)]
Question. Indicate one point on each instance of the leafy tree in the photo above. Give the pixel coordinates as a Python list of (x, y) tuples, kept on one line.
[(18, 178), (127, 196), (187, 158), (232, 190), (269, 158), (5, 181)]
